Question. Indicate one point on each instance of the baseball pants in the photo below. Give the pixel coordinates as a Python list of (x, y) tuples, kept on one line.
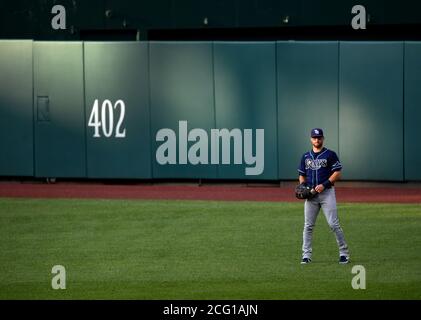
[(327, 202)]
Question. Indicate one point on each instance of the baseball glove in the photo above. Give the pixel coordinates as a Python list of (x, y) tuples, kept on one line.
[(303, 191)]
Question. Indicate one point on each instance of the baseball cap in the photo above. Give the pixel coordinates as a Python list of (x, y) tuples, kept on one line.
[(316, 132)]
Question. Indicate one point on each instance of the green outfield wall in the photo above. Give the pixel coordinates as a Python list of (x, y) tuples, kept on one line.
[(113, 72), (307, 98), (210, 110), (16, 109)]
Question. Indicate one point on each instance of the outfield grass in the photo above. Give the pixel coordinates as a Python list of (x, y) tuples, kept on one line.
[(117, 249)]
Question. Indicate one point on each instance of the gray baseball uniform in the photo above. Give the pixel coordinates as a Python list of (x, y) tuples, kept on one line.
[(327, 202), (317, 167)]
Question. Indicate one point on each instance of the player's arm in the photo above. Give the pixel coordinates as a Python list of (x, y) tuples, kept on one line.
[(302, 179), (302, 171), (332, 179), (335, 176)]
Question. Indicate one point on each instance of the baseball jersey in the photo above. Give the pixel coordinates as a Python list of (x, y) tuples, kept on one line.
[(317, 167)]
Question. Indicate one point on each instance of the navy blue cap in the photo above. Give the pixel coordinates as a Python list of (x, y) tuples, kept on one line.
[(316, 132)]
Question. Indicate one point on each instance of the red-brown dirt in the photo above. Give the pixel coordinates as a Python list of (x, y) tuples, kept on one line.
[(394, 194)]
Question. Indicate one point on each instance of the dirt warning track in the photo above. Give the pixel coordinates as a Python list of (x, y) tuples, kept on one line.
[(196, 192)]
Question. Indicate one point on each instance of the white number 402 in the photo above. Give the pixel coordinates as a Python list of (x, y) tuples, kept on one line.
[(107, 119)]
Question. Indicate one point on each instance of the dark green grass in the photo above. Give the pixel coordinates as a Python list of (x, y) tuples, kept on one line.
[(116, 249)]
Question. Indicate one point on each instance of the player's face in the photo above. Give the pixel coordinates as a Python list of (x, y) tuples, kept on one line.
[(317, 142)]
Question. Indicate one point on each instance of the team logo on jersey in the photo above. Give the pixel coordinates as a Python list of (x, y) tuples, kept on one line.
[(315, 164)]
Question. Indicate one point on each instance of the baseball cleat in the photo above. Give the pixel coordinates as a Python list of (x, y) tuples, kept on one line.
[(343, 260), (305, 261)]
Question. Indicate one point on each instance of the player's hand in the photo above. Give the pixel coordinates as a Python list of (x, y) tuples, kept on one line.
[(319, 188)]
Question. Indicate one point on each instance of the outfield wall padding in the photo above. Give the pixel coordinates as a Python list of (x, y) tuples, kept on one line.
[(307, 98), (365, 95), (16, 116), (182, 89), (59, 110), (371, 110), (412, 111), (118, 71), (245, 98)]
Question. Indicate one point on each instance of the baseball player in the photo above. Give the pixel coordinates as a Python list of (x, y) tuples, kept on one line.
[(320, 168)]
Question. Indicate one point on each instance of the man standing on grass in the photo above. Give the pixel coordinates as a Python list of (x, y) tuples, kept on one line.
[(320, 168)]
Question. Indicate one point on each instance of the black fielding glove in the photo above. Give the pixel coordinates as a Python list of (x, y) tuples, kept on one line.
[(304, 191)]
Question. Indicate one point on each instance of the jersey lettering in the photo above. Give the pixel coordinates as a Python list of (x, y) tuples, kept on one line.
[(315, 164)]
